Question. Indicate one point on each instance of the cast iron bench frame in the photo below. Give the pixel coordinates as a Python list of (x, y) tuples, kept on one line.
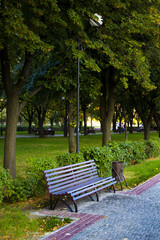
[(75, 181)]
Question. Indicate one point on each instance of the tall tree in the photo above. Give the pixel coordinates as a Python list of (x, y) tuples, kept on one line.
[(27, 28), (121, 42)]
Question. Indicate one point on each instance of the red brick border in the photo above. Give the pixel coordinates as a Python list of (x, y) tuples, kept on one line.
[(144, 186), (83, 221)]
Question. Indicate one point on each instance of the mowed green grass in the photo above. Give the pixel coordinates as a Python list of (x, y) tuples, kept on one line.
[(136, 174), (52, 146)]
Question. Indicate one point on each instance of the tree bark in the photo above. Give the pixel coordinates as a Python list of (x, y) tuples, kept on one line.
[(66, 119), (131, 126), (41, 113), (114, 122), (72, 145), (10, 135), (85, 121), (29, 118), (157, 120), (107, 103), (146, 123)]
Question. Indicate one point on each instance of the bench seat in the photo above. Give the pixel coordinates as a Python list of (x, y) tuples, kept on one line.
[(76, 181)]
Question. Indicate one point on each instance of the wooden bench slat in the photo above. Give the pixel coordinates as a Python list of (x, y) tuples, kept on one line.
[(66, 190), (72, 178), (71, 174), (79, 186), (90, 186), (91, 192), (72, 165), (70, 184), (70, 170), (97, 181)]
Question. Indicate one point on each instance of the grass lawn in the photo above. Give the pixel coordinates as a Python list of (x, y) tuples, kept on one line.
[(52, 146), (136, 174)]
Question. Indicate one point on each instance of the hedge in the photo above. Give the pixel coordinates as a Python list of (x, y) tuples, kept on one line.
[(33, 184)]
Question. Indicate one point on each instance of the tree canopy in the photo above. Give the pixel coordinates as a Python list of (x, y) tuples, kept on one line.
[(39, 39)]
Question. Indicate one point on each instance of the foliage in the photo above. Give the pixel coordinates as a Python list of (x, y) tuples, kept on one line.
[(68, 159), (5, 184), (152, 148), (130, 152), (103, 158), (33, 185)]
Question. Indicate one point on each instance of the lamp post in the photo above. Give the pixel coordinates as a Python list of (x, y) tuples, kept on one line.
[(97, 22), (78, 95)]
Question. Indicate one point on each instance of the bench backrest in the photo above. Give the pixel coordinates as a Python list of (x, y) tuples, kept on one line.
[(61, 178)]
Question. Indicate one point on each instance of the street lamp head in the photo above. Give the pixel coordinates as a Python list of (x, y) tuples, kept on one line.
[(97, 22)]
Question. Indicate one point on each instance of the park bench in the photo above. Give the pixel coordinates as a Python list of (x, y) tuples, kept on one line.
[(90, 130), (45, 132), (75, 181)]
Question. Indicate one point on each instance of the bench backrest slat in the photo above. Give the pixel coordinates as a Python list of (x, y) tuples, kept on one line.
[(73, 165), (67, 185), (59, 179), (70, 176), (68, 169), (72, 182)]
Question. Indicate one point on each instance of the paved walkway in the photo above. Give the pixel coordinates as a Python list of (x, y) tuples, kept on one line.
[(131, 215)]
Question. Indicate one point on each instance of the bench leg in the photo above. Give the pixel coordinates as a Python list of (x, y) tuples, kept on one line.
[(50, 202), (97, 197), (91, 197), (55, 204), (114, 189), (75, 205), (52, 207)]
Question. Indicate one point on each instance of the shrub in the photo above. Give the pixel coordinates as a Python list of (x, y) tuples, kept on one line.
[(35, 178), (67, 159), (152, 148), (32, 185), (129, 152), (6, 184), (103, 158)]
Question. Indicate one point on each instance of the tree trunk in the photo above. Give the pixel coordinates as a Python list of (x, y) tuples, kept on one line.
[(114, 122), (125, 126), (10, 135), (72, 145), (107, 104), (30, 126), (131, 126), (157, 120), (103, 103), (147, 123), (147, 130), (85, 121), (41, 111), (51, 122)]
